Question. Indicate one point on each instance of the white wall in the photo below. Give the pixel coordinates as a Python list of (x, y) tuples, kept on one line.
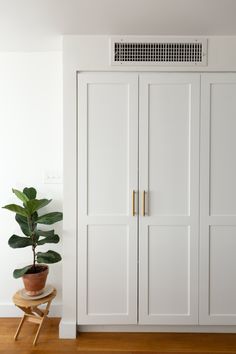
[(30, 145)]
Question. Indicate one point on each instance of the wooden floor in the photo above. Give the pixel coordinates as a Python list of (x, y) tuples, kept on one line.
[(123, 343)]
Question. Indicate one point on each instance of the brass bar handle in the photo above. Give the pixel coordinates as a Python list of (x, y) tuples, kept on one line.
[(133, 203), (144, 206)]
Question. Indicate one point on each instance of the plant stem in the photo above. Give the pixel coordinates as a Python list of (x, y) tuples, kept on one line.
[(30, 224), (34, 258)]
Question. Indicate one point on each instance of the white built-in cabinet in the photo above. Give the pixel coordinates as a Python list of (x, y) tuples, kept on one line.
[(169, 185), (156, 198), (217, 296), (108, 175)]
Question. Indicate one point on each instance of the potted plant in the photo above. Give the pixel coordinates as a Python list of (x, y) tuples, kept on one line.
[(34, 275)]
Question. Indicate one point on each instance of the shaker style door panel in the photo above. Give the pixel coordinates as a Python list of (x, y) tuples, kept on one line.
[(169, 189), (107, 198), (218, 200)]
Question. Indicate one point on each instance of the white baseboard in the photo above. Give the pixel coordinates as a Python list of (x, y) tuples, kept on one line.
[(67, 330), (148, 328), (10, 310)]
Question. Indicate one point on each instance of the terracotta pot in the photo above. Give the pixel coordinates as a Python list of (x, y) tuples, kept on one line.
[(35, 282)]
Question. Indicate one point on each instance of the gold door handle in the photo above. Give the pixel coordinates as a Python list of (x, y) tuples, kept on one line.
[(144, 206), (133, 203)]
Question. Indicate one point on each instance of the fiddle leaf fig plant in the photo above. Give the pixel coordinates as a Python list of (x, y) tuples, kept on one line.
[(29, 221)]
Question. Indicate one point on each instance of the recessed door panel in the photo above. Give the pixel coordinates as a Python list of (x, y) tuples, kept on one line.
[(107, 269), (222, 255), (168, 147), (108, 144), (168, 264), (222, 149)]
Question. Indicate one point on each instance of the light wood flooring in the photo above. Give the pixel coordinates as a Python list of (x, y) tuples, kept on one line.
[(118, 343)]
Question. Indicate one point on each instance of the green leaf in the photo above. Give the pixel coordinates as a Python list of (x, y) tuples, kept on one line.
[(20, 195), (48, 257), (22, 221), (16, 209), (50, 218), (19, 242), (45, 233), (36, 204), (49, 239), (19, 272), (30, 192)]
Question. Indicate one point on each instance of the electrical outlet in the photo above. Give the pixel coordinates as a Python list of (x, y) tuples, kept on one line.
[(52, 177)]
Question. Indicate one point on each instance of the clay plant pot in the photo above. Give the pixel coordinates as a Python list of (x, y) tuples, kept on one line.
[(34, 282)]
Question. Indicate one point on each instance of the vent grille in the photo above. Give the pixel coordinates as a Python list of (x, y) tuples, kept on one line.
[(176, 52)]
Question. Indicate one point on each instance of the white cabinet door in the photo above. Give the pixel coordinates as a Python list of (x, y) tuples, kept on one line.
[(218, 200), (108, 175), (169, 176)]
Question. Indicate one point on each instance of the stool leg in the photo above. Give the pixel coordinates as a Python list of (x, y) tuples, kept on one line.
[(19, 327), (38, 331), (46, 311)]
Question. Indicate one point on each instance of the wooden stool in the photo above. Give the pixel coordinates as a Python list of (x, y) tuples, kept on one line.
[(31, 311)]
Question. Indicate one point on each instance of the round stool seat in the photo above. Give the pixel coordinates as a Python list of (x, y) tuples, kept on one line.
[(19, 301)]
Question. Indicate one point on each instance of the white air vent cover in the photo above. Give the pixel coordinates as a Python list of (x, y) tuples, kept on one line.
[(164, 51)]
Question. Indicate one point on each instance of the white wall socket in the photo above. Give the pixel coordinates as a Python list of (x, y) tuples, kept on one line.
[(52, 177)]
